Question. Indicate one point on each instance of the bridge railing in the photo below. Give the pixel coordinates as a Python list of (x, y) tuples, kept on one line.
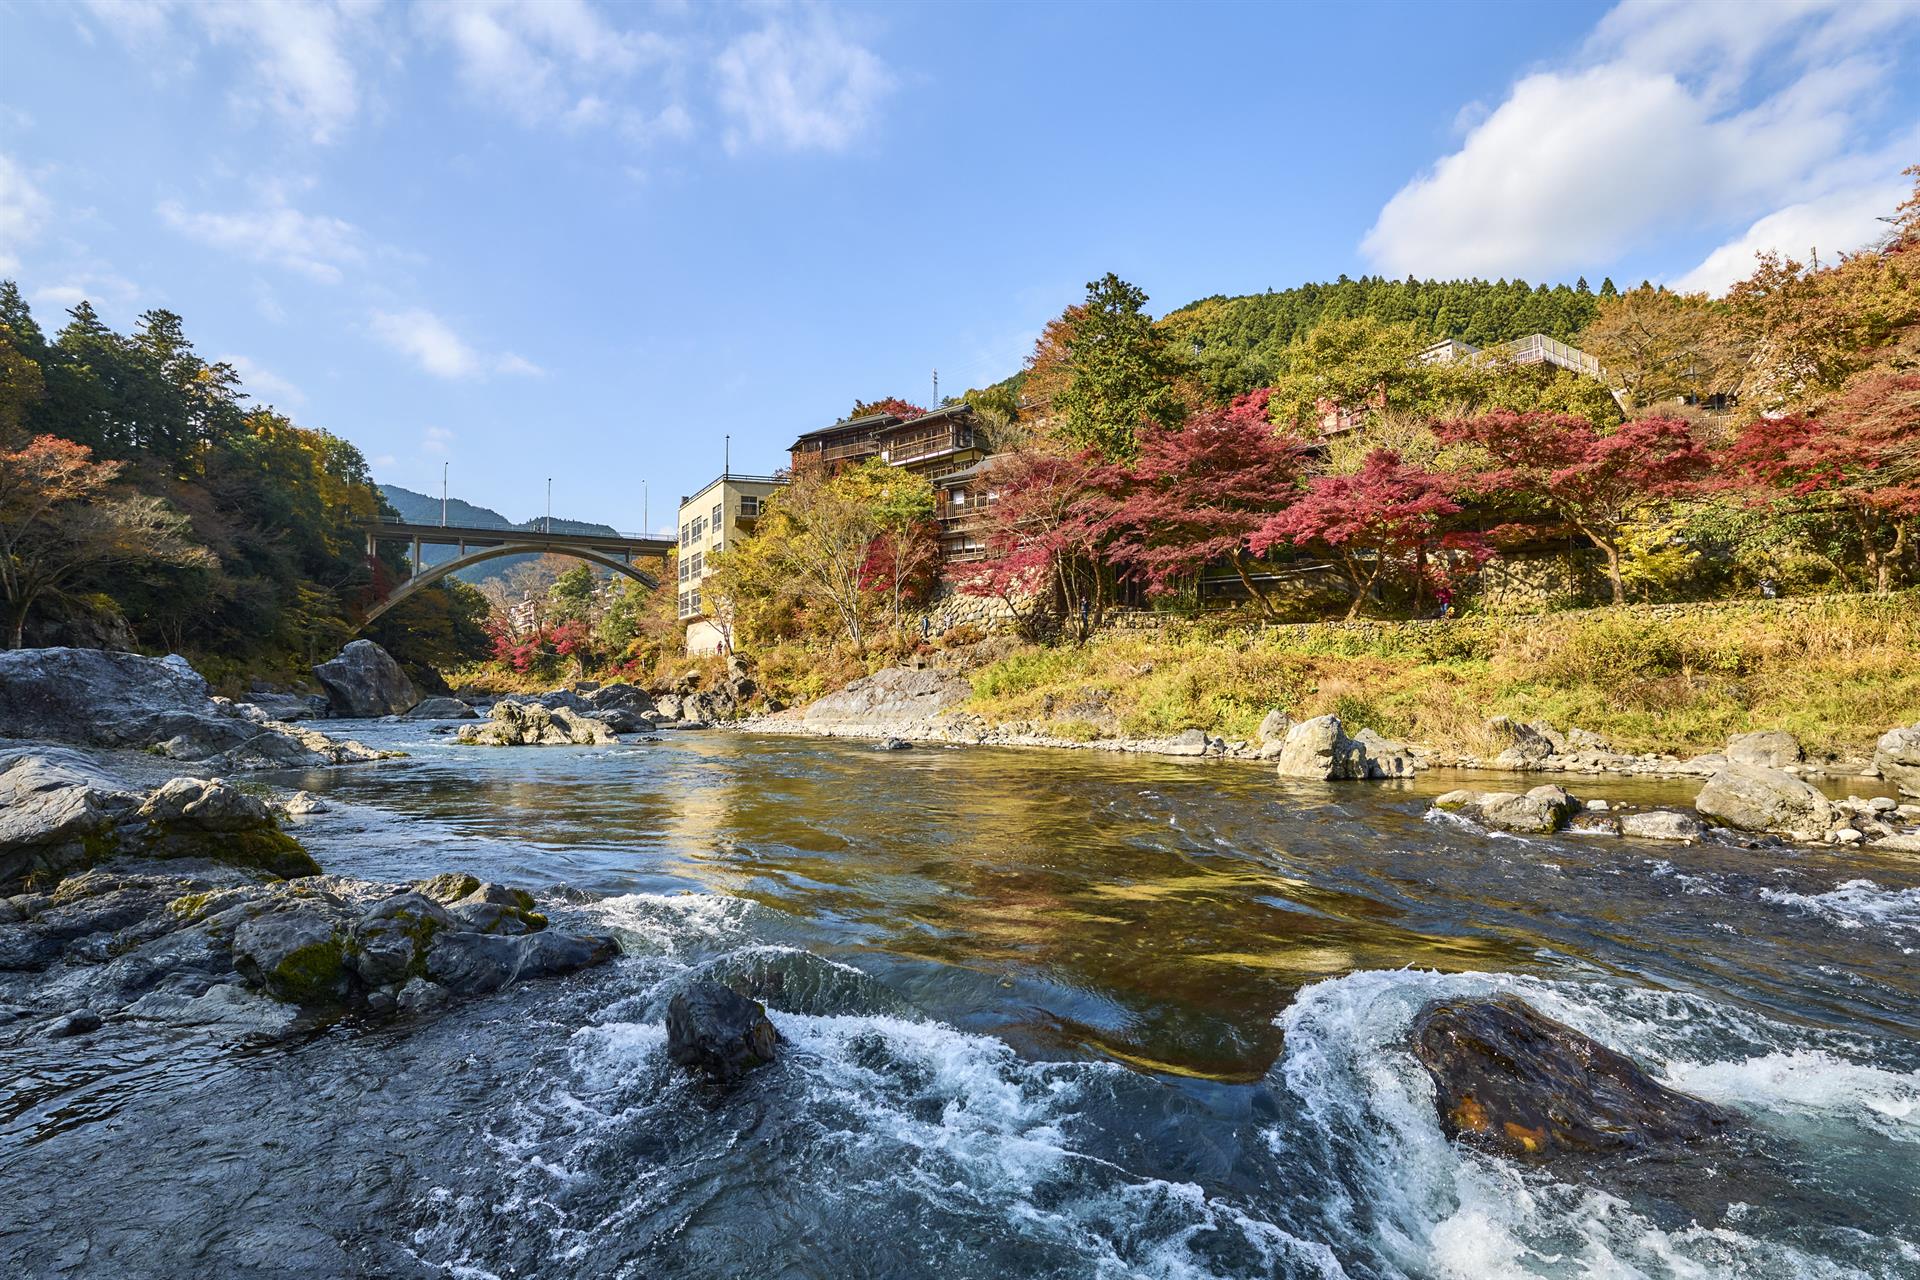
[(538, 528)]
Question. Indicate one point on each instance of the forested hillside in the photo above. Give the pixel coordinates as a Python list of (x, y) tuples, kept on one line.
[(1236, 343), (146, 501)]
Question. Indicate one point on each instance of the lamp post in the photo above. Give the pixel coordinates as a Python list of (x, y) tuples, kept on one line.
[(549, 506), (443, 495), (646, 522)]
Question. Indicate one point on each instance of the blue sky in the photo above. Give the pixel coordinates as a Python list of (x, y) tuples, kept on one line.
[(554, 237)]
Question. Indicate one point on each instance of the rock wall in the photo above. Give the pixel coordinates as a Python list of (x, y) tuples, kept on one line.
[(950, 608)]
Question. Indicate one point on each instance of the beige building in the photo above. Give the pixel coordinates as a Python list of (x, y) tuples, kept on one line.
[(710, 520)]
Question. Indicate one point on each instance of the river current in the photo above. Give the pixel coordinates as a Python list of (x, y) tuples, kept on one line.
[(1047, 1013)]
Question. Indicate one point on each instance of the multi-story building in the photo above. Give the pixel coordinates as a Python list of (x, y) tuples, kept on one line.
[(934, 444), (710, 521)]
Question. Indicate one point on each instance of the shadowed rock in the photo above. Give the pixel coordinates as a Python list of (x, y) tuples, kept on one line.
[(1897, 756), (528, 724), (1541, 811), (1511, 1079), (718, 1032), (364, 680)]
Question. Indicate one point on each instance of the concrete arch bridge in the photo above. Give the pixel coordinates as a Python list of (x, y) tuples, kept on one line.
[(477, 544)]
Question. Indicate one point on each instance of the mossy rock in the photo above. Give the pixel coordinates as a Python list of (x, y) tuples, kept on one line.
[(313, 974), (265, 849)]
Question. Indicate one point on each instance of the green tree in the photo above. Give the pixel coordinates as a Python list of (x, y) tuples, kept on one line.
[(1122, 373)]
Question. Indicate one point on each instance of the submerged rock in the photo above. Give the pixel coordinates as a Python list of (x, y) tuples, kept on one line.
[(441, 709), (718, 1032), (1751, 797), (894, 697), (1660, 824), (1541, 811), (1509, 1078)]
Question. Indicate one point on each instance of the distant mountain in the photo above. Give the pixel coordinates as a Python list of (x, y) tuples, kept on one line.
[(420, 508)]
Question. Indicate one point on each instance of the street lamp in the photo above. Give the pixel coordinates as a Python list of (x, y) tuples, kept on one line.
[(549, 506), (443, 495)]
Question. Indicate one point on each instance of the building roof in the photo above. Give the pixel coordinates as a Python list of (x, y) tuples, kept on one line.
[(847, 426), (729, 477)]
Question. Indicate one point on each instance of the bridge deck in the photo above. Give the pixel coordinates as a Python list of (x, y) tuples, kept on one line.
[(459, 535)]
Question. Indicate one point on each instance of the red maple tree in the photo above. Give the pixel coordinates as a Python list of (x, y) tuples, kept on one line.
[(1384, 518), (1860, 460), (1597, 482), (1046, 535), (1196, 494)]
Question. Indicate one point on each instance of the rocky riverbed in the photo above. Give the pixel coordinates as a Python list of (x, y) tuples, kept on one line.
[(758, 1000)]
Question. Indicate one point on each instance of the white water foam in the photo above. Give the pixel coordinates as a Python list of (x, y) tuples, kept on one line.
[(1445, 1210), (1856, 904)]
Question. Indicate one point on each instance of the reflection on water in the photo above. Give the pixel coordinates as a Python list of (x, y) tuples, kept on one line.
[(1051, 1014)]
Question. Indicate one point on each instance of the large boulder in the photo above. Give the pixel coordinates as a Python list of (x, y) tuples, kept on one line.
[(895, 697), (1897, 756), (718, 1032), (1751, 797), (1320, 749), (1769, 748), (1541, 811), (1509, 1078), (363, 680), (57, 814), (528, 724), (1272, 734), (92, 697)]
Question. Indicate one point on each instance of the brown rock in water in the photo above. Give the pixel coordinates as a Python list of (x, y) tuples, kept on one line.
[(718, 1032), (1513, 1080)]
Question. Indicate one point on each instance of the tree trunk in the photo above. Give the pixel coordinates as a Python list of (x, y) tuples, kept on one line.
[(1259, 595)]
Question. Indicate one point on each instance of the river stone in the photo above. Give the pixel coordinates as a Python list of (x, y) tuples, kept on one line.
[(56, 813), (441, 709), (475, 963), (1541, 811), (1897, 755), (77, 1023), (1660, 824), (1529, 745), (529, 724), (1751, 797), (718, 1032), (363, 680), (205, 804), (296, 952), (1509, 1078), (388, 943), (1769, 748), (1385, 757), (1320, 749)]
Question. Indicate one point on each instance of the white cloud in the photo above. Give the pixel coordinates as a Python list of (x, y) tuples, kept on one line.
[(106, 290), (433, 345), (799, 84), (383, 461), (547, 60), (1677, 115), (315, 245), (426, 338), (23, 208), (298, 53), (517, 366), (261, 384), (1833, 224), (437, 441)]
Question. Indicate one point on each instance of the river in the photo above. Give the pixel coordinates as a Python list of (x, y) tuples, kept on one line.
[(1047, 1013)]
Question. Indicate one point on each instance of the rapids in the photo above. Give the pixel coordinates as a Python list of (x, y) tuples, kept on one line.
[(1047, 1013)]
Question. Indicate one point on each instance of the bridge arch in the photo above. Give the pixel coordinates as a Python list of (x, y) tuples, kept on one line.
[(427, 577)]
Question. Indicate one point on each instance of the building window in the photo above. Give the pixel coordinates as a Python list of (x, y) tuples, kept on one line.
[(683, 605), (693, 602), (696, 569), (749, 507), (685, 569), (719, 517), (684, 534), (699, 528)]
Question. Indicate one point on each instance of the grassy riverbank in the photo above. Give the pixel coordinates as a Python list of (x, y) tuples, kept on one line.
[(1837, 672)]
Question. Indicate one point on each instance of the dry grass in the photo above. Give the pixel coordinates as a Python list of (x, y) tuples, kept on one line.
[(1837, 674)]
